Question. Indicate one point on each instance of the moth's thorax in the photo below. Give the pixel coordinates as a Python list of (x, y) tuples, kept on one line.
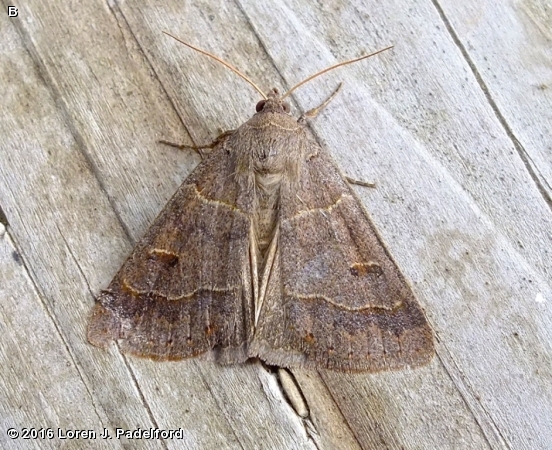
[(271, 143)]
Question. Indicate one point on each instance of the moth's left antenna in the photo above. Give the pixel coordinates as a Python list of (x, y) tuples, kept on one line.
[(224, 63)]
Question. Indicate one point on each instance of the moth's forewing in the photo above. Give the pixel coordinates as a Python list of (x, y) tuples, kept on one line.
[(342, 303), (185, 288)]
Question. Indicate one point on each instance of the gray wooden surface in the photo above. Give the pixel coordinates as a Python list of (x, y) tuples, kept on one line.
[(454, 125)]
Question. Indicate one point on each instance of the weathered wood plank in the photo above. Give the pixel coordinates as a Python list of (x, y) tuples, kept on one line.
[(453, 125), (41, 384)]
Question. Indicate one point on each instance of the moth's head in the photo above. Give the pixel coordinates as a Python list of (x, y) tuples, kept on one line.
[(273, 103)]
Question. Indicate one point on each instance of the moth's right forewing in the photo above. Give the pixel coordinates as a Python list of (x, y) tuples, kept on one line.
[(343, 303), (186, 288)]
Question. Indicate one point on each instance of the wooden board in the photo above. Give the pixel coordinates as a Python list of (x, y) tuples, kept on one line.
[(454, 125)]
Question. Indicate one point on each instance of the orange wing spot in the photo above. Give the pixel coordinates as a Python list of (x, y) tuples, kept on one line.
[(309, 339), (370, 267), (209, 330), (164, 256)]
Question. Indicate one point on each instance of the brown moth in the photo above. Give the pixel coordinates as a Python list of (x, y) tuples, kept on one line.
[(265, 252)]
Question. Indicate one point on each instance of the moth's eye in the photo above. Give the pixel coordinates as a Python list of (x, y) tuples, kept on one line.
[(260, 106), (286, 107)]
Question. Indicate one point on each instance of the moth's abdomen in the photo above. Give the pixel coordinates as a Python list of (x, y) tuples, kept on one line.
[(265, 218)]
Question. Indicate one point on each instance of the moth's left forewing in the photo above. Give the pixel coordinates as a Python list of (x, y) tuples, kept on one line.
[(338, 300), (185, 289)]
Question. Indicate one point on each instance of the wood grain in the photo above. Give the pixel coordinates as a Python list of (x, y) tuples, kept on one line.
[(454, 126)]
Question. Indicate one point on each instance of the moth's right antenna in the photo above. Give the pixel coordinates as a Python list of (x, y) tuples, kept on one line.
[(335, 66), (224, 63)]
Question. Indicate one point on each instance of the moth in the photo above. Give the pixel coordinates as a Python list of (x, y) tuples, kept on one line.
[(265, 252)]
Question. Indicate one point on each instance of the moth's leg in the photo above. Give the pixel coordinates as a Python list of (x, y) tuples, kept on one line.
[(360, 183), (199, 148), (293, 393), (312, 113)]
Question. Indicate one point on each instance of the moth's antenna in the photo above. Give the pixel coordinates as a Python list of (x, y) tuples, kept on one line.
[(224, 63), (317, 74)]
